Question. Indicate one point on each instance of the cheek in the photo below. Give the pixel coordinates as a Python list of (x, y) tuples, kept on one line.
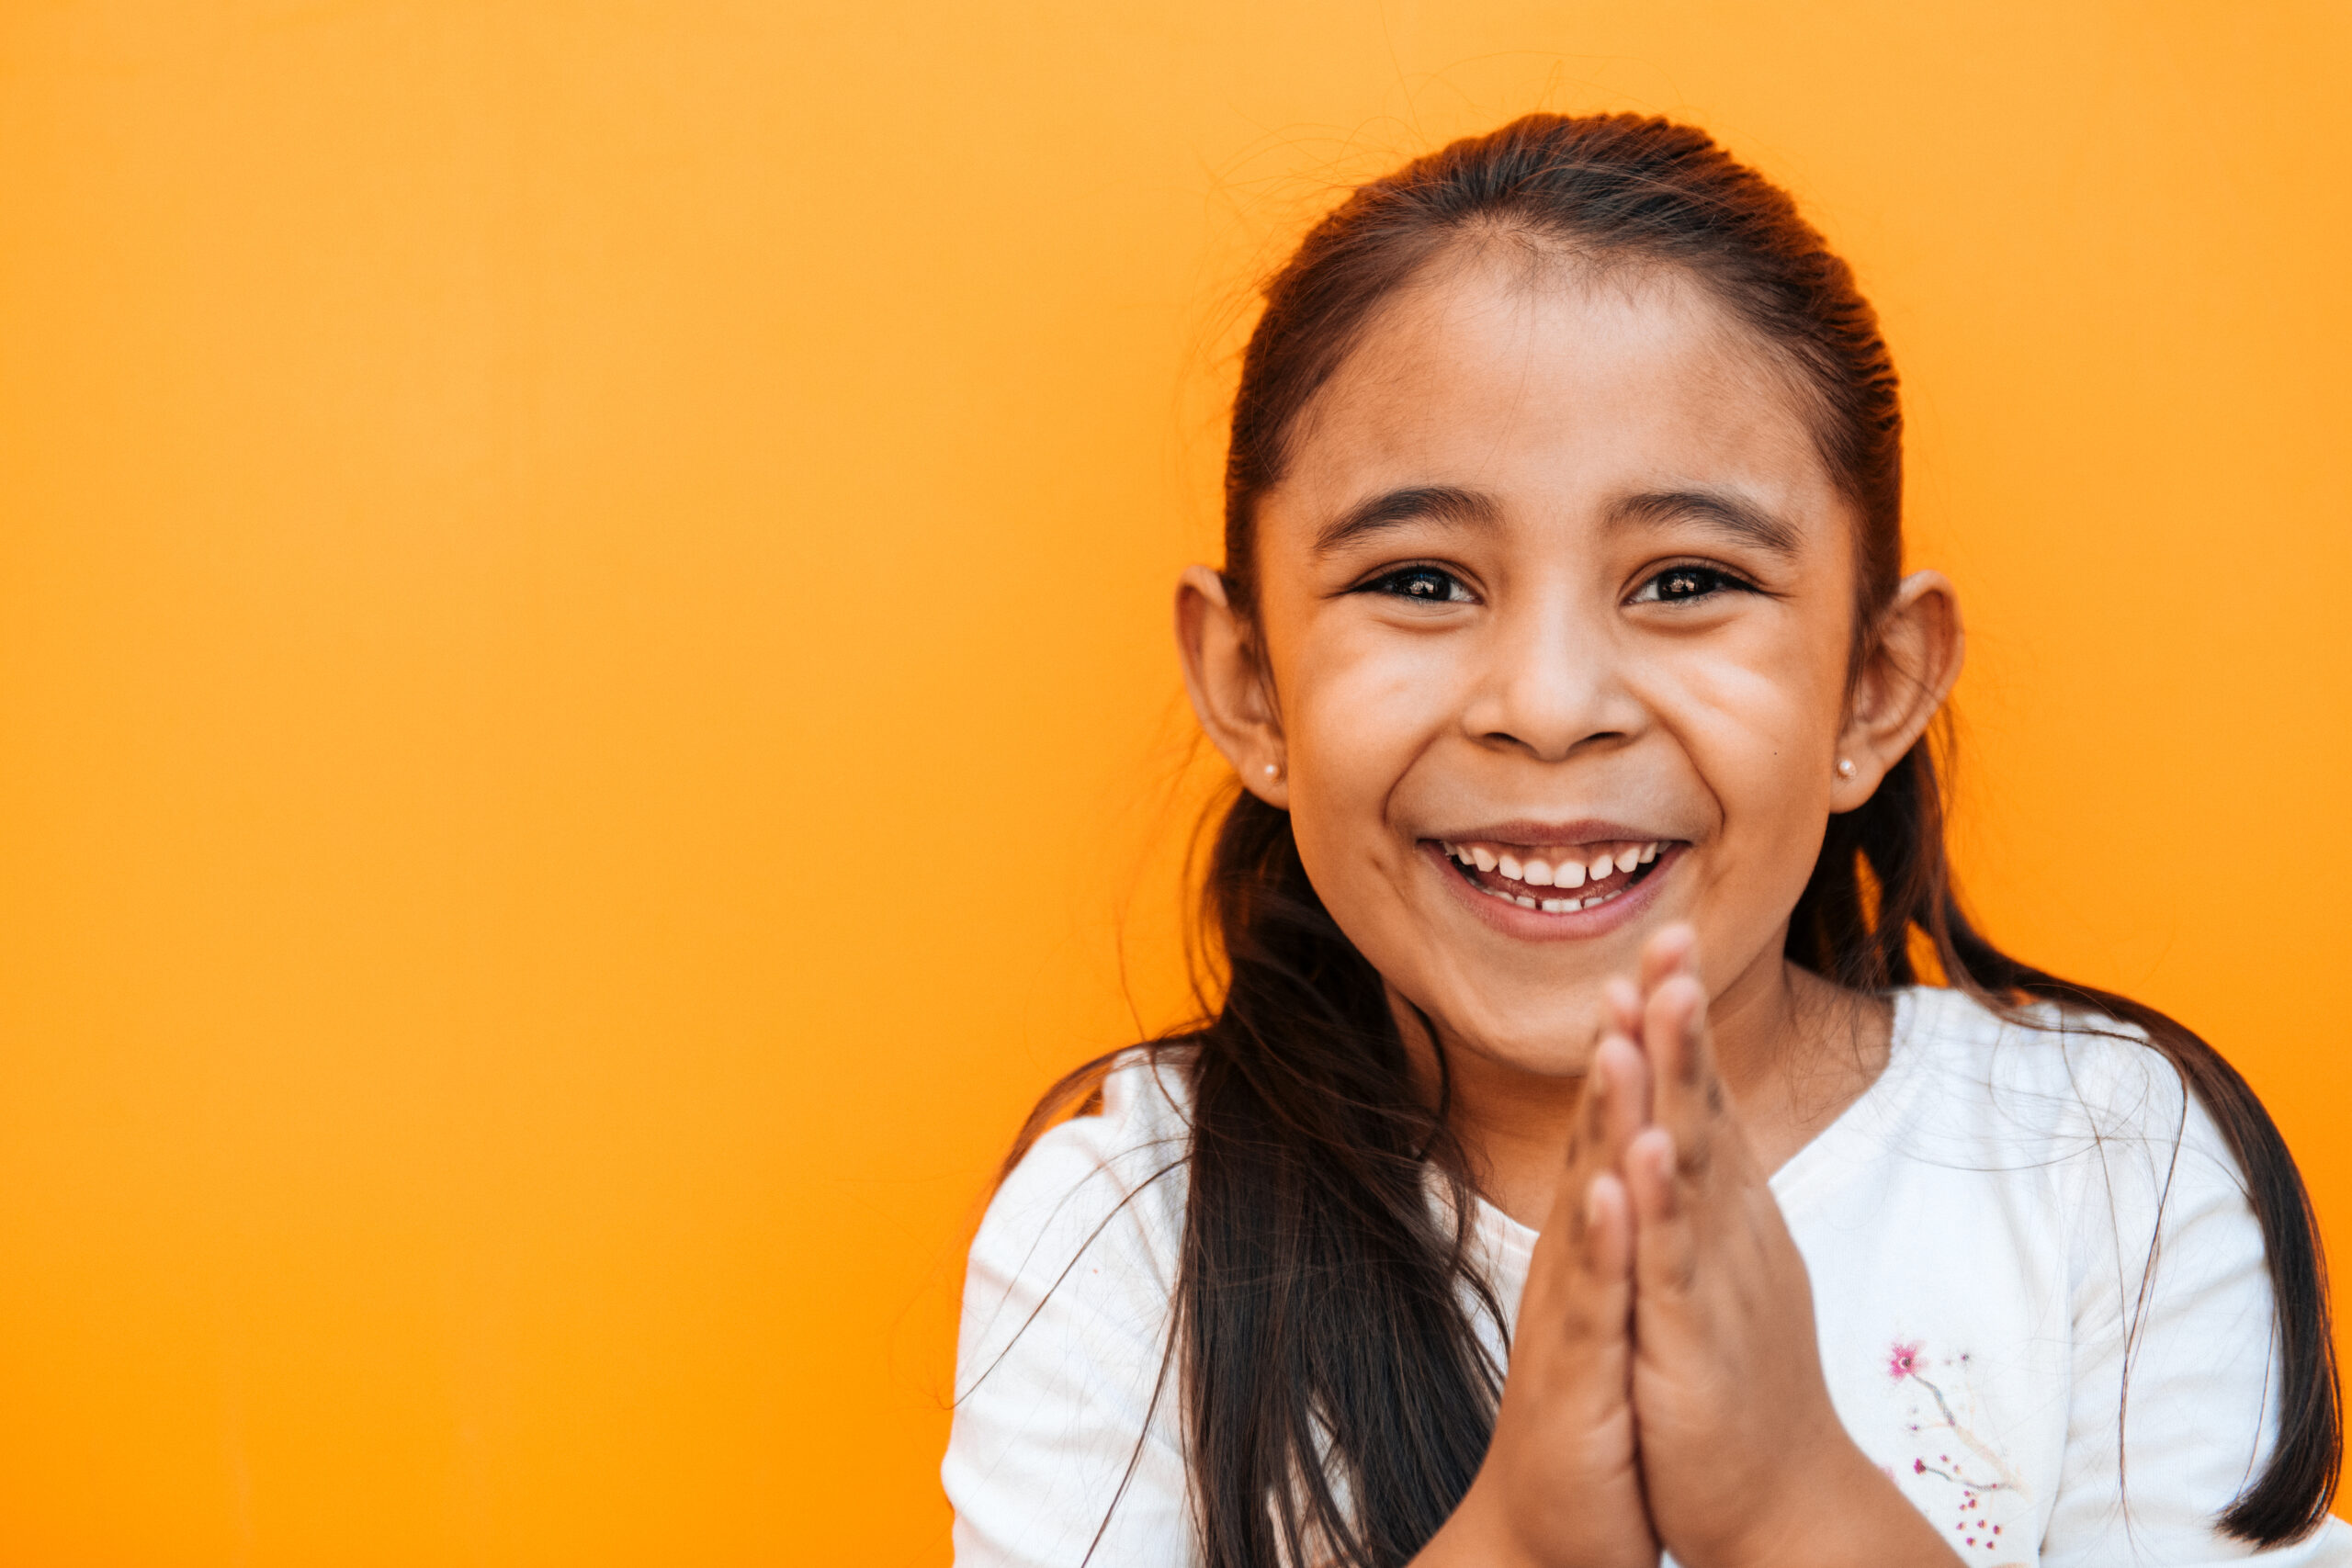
[(1758, 723), (1356, 716), (1357, 712)]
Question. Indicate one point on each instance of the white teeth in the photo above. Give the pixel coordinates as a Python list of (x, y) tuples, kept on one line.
[(1549, 906), (1563, 872)]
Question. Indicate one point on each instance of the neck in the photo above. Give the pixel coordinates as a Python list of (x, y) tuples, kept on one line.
[(1793, 1051)]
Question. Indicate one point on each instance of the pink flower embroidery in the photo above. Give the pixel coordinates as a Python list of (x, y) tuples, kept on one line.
[(1906, 1361)]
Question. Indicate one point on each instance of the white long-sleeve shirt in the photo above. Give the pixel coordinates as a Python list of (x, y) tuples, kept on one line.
[(1976, 1225)]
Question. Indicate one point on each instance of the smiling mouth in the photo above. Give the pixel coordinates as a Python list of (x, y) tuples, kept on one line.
[(1557, 879)]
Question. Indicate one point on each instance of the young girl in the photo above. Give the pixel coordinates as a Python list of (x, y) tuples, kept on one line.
[(1576, 1169)]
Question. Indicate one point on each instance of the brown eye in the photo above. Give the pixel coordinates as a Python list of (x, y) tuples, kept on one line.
[(1681, 584), (1425, 583)]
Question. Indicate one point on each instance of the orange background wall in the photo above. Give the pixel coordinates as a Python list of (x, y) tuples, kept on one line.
[(584, 700)]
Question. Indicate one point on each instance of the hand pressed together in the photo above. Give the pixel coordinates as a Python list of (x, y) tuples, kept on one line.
[(1562, 1482), (1666, 1389)]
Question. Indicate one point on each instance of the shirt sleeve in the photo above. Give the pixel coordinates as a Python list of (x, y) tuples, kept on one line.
[(1065, 1446), (2175, 1372)]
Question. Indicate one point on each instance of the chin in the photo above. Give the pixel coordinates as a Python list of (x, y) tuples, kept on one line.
[(1553, 1038)]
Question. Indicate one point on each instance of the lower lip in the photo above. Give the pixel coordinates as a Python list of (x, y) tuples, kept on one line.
[(1537, 925)]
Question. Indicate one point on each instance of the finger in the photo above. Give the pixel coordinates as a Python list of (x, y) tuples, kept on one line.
[(1614, 1107), (1673, 951), (1664, 1243), (1598, 1307), (1621, 1008), (1608, 1229), (1592, 1146), (1583, 1259), (1687, 1095), (1710, 1161), (1669, 981), (1625, 1109), (1615, 1102)]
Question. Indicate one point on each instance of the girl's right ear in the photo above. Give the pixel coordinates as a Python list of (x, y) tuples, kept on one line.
[(1227, 685)]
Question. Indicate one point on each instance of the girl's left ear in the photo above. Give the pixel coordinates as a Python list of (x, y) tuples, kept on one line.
[(1904, 680)]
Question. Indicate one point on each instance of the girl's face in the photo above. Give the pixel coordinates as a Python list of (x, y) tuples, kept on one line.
[(1556, 608)]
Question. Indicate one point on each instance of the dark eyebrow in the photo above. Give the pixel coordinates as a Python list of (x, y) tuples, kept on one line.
[(1443, 504), (1742, 520)]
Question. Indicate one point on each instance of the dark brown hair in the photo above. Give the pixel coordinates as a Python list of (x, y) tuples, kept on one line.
[(1337, 1402)]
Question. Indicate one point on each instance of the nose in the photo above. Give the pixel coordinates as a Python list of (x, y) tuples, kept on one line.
[(1550, 682)]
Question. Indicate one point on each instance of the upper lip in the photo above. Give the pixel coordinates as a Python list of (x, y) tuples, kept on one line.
[(1538, 835)]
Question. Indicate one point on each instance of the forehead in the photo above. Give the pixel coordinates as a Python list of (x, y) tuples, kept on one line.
[(1558, 389)]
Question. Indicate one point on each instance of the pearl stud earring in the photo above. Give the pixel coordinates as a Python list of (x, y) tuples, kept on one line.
[(1274, 769), (1845, 767)]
